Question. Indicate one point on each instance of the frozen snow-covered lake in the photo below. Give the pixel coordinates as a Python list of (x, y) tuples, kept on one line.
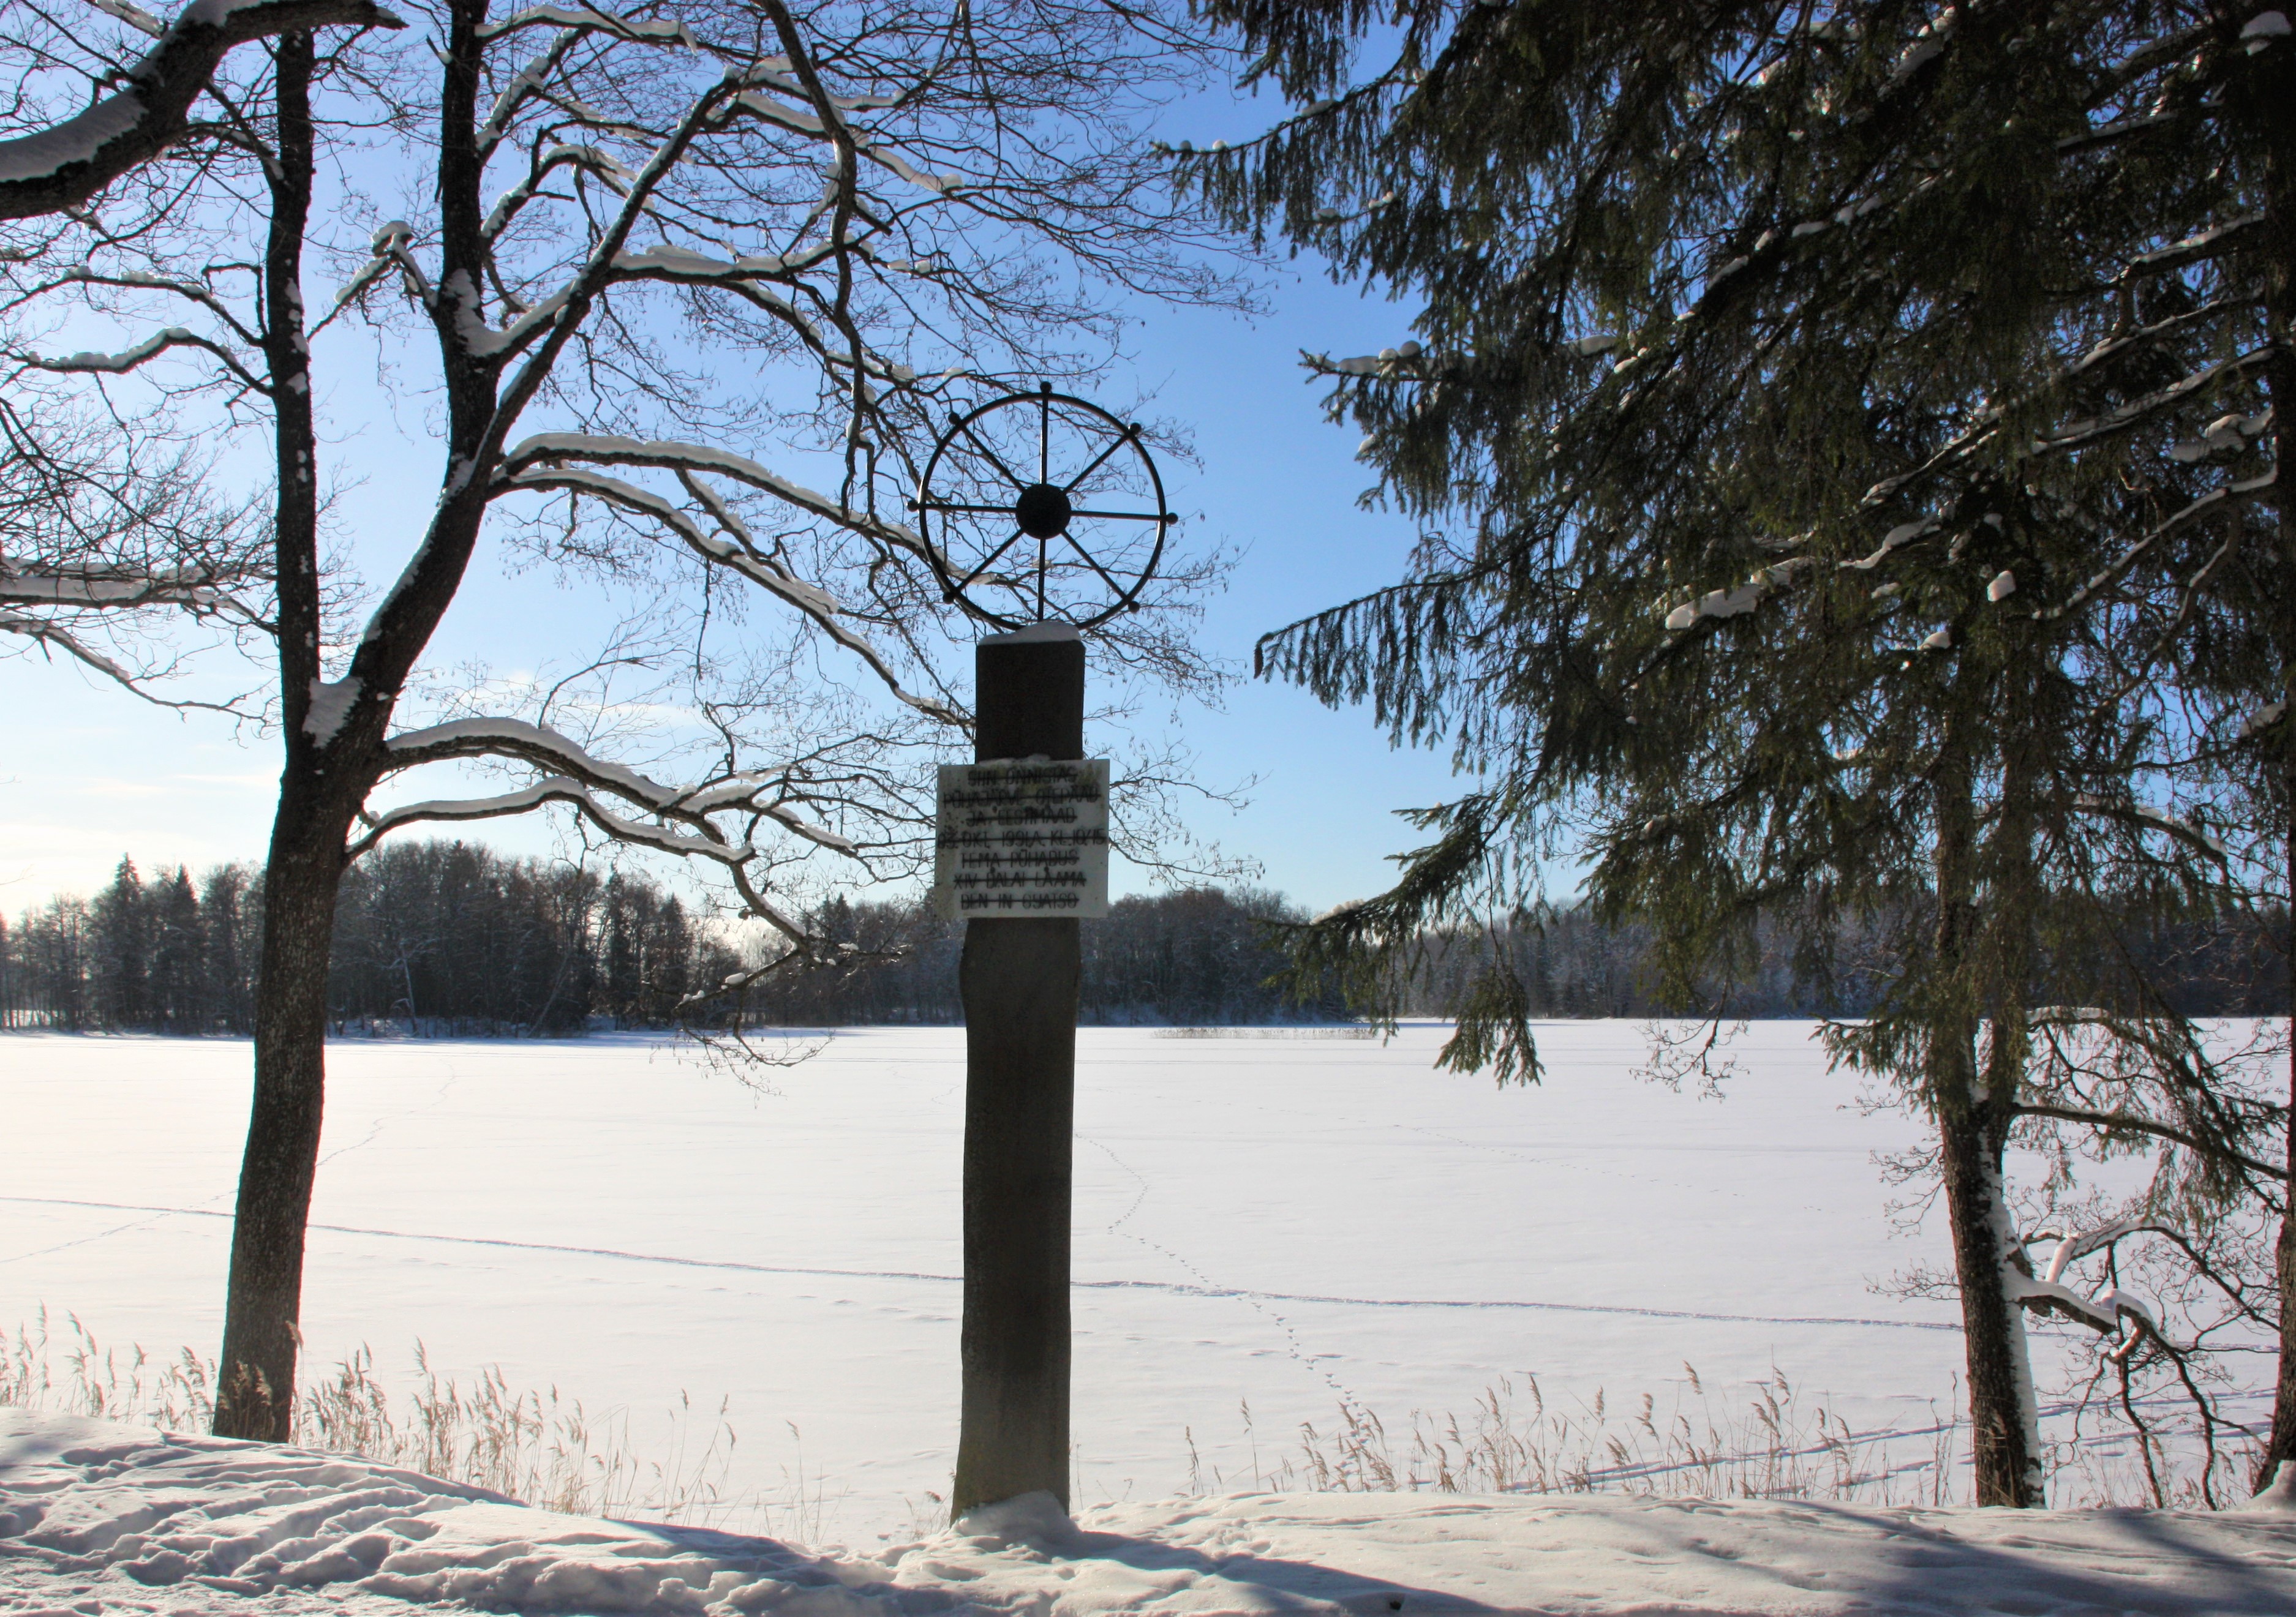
[(1282, 1221)]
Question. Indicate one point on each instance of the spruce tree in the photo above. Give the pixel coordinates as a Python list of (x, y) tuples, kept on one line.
[(1847, 438), (120, 958), (178, 987)]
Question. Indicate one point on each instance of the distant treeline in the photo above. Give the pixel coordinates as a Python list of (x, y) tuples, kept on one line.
[(450, 939), (1197, 957), (447, 939), (441, 938), (1573, 966)]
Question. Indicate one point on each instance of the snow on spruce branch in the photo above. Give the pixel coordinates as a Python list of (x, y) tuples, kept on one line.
[(1743, 597), (2216, 500), (1313, 113), (2081, 435), (1401, 360), (2145, 816)]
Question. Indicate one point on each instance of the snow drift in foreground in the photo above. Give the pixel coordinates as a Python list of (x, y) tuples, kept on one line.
[(96, 1517)]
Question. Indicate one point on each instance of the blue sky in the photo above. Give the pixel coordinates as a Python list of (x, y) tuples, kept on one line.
[(87, 773)]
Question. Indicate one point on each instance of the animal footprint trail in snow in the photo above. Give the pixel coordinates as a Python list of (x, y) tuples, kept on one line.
[(1257, 1301)]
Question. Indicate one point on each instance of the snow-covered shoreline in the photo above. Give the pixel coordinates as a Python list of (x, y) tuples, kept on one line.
[(97, 1516)]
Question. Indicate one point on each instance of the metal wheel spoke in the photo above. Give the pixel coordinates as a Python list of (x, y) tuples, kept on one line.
[(989, 560), (1125, 516), (1011, 475), (1093, 562), (1122, 438), (985, 511)]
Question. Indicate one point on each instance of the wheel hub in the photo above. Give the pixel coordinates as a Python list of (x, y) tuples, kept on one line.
[(1042, 510)]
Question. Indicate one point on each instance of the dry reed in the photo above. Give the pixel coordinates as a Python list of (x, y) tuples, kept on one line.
[(549, 1451), (535, 1446), (1773, 1446)]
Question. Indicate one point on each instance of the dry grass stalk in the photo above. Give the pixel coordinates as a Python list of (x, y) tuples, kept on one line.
[(1770, 1447), (534, 1446)]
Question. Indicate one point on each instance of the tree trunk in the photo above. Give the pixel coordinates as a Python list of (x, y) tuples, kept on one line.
[(255, 1395), (2280, 1448), (1020, 980), (2002, 1410), (254, 1390), (1973, 1125)]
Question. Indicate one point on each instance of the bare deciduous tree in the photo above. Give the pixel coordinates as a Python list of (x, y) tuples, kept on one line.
[(631, 241)]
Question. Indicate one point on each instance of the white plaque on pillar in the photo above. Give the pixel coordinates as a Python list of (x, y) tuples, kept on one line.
[(1022, 838)]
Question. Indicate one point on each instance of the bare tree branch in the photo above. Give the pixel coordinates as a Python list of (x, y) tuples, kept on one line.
[(65, 166)]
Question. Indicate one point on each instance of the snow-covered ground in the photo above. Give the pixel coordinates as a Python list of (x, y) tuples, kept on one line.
[(1280, 1223), (97, 1517)]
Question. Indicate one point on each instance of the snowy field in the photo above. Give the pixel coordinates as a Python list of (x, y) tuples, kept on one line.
[(1285, 1222)]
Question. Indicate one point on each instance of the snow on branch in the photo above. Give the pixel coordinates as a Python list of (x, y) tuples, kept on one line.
[(2207, 505), (84, 275), (746, 558), (515, 738), (2264, 718), (2138, 1123), (555, 448), (134, 358), (523, 86), (1744, 598), (746, 278), (2143, 815), (679, 822), (583, 19), (590, 159), (1396, 361), (1313, 112), (683, 263), (740, 553), (2081, 434), (562, 311), (518, 739), (2211, 243), (68, 163), (2103, 1312), (191, 587), (134, 16), (555, 789), (798, 120)]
